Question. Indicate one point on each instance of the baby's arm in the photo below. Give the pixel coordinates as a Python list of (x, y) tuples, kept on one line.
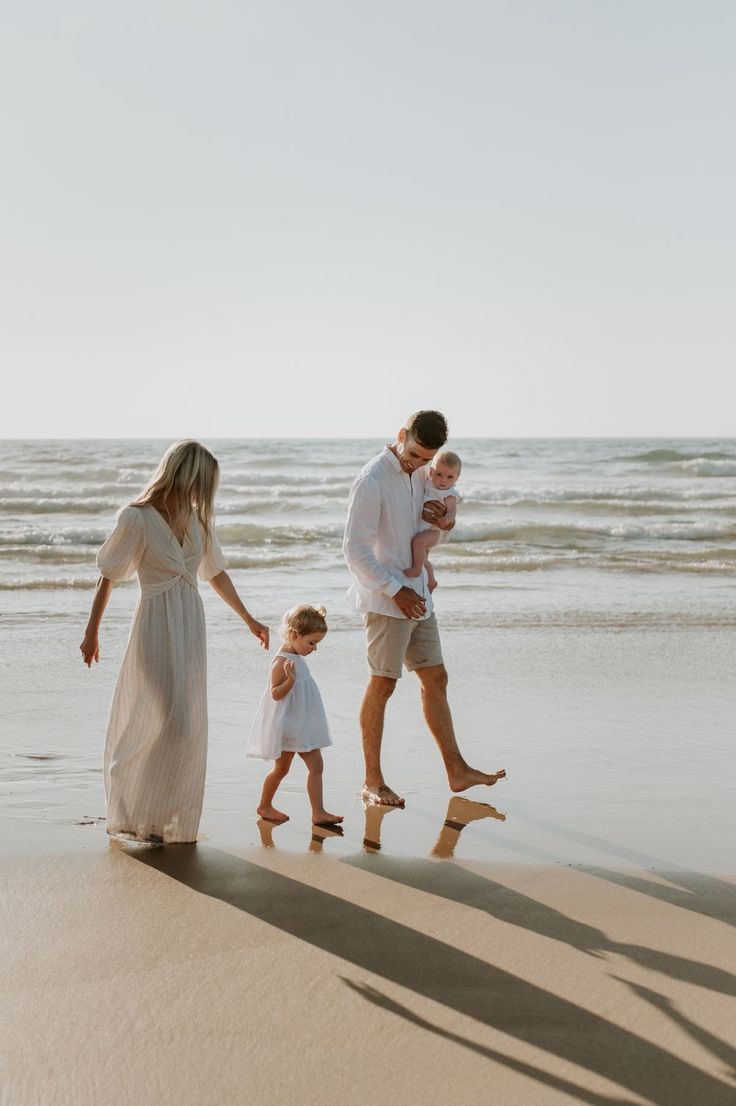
[(283, 677), (451, 504)]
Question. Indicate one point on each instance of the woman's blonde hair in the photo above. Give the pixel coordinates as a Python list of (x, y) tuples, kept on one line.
[(303, 619), (187, 477)]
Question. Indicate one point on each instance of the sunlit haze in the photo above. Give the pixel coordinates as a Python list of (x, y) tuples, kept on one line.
[(310, 219)]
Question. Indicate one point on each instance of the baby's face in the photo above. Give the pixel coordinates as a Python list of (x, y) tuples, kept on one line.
[(443, 476)]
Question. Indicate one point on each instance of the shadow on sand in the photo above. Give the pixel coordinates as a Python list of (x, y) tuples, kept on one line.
[(446, 975)]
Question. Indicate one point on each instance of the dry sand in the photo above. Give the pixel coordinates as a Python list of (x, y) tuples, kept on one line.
[(194, 975)]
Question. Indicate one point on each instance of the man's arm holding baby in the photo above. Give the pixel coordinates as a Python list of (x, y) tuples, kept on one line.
[(440, 513)]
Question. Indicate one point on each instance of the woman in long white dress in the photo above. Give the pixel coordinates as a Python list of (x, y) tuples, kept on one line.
[(156, 744)]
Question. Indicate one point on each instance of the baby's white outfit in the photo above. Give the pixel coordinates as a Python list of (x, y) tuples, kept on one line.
[(430, 493), (295, 724)]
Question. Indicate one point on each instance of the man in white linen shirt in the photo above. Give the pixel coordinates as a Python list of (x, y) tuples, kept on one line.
[(384, 510)]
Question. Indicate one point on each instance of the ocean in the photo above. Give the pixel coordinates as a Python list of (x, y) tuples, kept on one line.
[(606, 532), (586, 605)]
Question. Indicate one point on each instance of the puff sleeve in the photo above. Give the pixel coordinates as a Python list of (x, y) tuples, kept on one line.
[(213, 559), (119, 557)]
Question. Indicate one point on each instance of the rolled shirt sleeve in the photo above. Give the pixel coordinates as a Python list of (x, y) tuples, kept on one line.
[(364, 509), (119, 557)]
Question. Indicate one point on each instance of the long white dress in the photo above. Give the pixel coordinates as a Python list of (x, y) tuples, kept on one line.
[(295, 724), (156, 744)]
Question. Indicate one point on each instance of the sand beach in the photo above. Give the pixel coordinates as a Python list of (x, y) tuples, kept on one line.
[(572, 943)]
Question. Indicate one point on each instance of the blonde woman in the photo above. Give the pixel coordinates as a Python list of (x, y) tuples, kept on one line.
[(156, 745)]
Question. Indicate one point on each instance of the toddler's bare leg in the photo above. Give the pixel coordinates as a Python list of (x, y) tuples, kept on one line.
[(320, 816), (265, 808), (421, 544)]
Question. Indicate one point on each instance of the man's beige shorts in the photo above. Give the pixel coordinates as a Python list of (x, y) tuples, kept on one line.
[(396, 641)]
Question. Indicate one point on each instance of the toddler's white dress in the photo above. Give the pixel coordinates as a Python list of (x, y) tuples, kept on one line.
[(156, 745), (295, 724)]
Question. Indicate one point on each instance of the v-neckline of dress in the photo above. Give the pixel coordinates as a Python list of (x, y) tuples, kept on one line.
[(180, 544)]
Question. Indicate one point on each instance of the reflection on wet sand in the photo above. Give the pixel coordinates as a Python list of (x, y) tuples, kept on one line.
[(320, 835), (460, 813), (317, 839)]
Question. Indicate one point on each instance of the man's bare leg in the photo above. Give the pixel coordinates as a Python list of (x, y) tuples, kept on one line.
[(372, 713), (421, 544), (437, 714)]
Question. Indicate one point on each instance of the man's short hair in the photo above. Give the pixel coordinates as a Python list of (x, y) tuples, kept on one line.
[(428, 429)]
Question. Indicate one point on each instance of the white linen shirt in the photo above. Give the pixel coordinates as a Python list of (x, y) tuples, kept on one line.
[(384, 514)]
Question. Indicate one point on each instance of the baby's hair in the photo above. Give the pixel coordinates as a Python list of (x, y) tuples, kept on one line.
[(303, 619), (447, 457)]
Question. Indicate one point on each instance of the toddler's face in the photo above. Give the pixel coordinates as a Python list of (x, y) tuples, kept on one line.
[(306, 643), (443, 476)]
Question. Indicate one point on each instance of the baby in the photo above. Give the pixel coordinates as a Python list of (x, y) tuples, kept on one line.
[(439, 483)]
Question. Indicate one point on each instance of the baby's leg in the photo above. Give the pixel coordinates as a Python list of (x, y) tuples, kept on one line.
[(421, 544), (265, 808), (431, 578), (320, 816)]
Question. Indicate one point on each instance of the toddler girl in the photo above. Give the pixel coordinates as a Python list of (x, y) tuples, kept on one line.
[(291, 718)]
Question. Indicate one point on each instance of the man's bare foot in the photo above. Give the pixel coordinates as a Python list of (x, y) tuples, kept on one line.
[(374, 815), (413, 570), (381, 795), (470, 777), (271, 814), (324, 818)]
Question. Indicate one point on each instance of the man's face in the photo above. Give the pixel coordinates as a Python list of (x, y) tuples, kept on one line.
[(443, 476), (411, 455)]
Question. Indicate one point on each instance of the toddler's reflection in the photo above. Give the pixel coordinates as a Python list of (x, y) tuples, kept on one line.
[(317, 839)]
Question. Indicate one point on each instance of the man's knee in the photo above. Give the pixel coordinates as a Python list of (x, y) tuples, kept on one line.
[(381, 687), (433, 678)]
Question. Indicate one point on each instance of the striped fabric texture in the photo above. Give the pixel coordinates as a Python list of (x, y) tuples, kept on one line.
[(156, 743)]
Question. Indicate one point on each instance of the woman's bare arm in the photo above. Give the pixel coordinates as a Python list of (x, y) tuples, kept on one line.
[(90, 647), (225, 588)]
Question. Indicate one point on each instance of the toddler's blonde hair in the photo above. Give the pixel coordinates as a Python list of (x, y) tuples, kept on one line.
[(303, 619), (188, 475)]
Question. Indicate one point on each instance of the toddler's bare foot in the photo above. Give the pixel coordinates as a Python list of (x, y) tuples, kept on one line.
[(470, 777), (271, 814), (413, 570), (381, 795), (324, 818)]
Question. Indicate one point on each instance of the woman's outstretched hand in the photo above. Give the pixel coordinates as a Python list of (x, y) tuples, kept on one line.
[(90, 649), (260, 631)]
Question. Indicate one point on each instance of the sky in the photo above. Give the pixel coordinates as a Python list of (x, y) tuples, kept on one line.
[(312, 217)]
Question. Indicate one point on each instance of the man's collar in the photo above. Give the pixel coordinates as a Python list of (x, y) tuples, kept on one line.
[(391, 456)]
